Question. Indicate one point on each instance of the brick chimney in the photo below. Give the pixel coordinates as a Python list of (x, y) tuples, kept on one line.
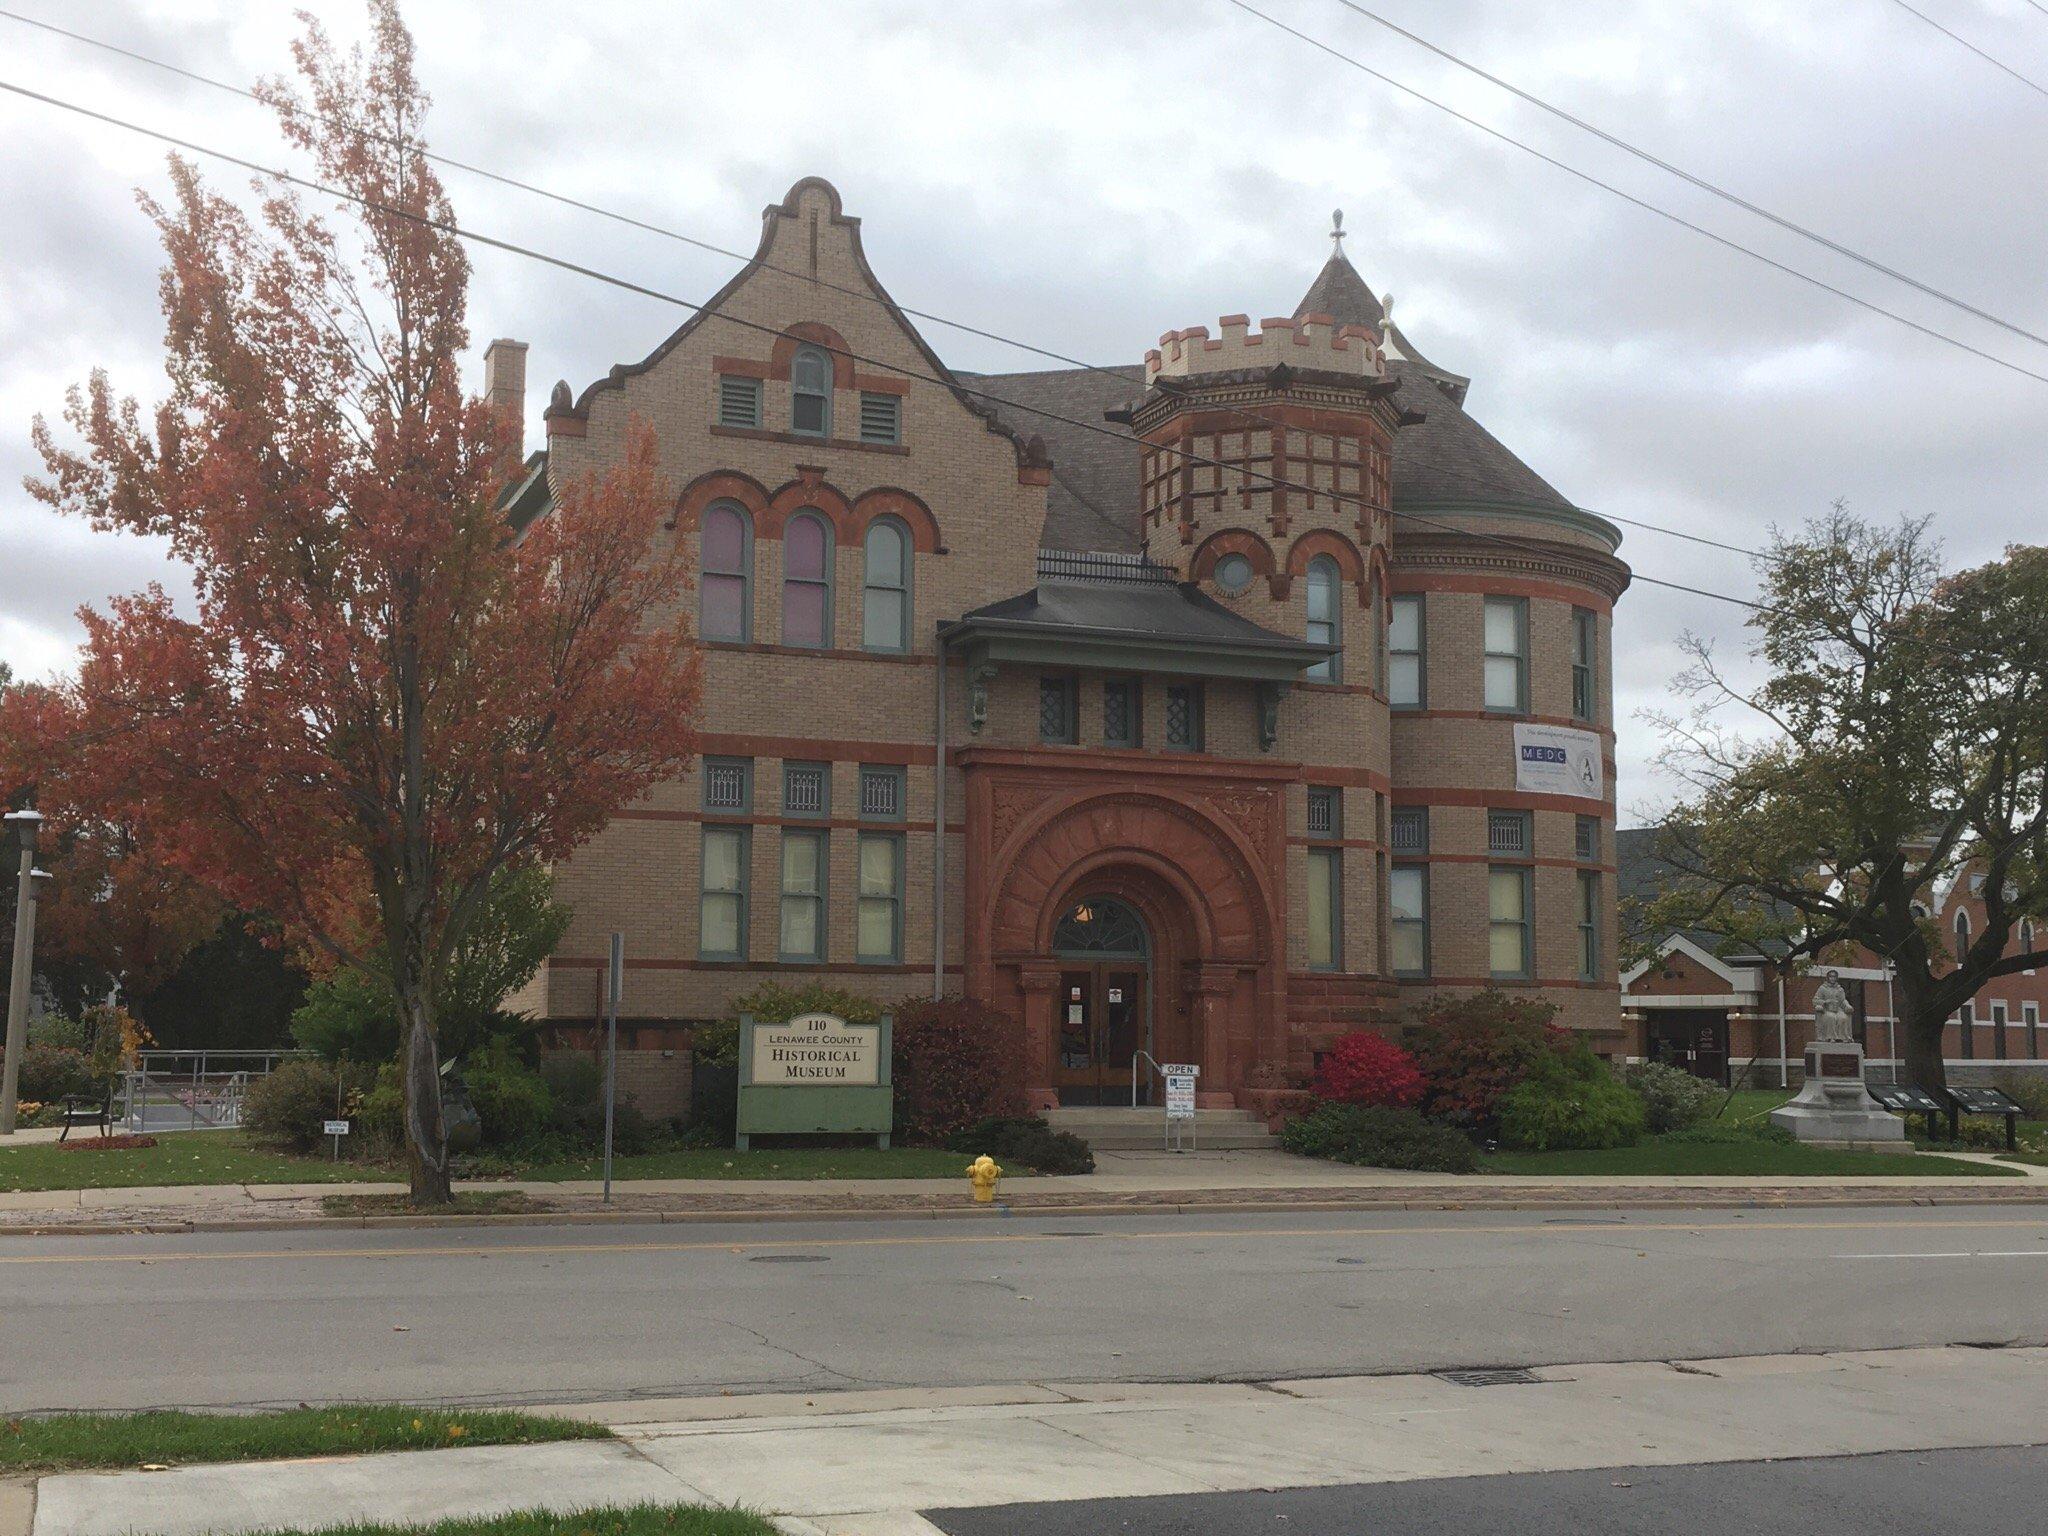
[(505, 385)]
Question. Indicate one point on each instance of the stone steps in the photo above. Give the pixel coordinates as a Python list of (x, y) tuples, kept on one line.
[(1107, 1128)]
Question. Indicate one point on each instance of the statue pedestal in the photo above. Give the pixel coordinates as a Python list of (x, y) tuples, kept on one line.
[(1834, 1107)]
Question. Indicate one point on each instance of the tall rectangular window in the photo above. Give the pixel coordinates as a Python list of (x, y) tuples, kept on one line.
[(1585, 646), (1589, 926), (878, 917), (1408, 904), (803, 896), (1968, 1019), (881, 418), (1184, 717), (2030, 1015), (739, 401), (1056, 723), (1999, 1020), (1507, 936), (1407, 685), (1122, 703), (1507, 654), (722, 899), (1325, 908)]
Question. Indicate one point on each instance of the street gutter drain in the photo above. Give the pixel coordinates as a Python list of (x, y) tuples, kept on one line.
[(1492, 1376), (788, 1258)]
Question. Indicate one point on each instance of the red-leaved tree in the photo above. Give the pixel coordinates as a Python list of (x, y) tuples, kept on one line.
[(384, 697)]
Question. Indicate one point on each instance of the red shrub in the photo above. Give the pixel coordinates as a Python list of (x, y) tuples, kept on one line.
[(955, 1064), (1472, 1050), (1368, 1068)]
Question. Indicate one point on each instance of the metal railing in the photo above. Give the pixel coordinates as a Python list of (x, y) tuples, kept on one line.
[(1157, 1071), (192, 1090)]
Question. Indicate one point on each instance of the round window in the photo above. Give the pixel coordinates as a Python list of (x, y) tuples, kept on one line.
[(1233, 574)]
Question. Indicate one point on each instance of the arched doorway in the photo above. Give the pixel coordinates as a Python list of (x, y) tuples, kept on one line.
[(1105, 956)]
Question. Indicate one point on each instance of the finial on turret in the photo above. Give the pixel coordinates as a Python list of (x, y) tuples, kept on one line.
[(1337, 232), (1386, 316)]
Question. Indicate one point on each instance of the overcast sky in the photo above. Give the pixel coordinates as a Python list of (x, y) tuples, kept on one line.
[(1087, 174)]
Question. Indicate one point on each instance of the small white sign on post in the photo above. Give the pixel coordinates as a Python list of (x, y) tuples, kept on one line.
[(1180, 1092), (336, 1128)]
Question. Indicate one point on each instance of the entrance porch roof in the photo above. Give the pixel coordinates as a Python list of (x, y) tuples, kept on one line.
[(1137, 619)]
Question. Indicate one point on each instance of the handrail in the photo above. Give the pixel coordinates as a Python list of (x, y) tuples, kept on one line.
[(1157, 1070)]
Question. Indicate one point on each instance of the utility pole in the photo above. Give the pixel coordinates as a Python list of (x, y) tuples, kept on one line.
[(24, 824)]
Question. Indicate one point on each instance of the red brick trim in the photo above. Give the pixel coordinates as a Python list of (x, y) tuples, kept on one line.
[(835, 967), (807, 492), (890, 658), (1232, 541), (818, 334), (720, 485), (1606, 733), (742, 367), (1327, 541), (1503, 586), (1501, 799), (812, 749), (890, 501), (1539, 984), (1356, 778), (802, 823)]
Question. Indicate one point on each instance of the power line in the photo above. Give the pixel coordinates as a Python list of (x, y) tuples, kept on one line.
[(1690, 178), (952, 385), (1648, 207), (1992, 59), (862, 294)]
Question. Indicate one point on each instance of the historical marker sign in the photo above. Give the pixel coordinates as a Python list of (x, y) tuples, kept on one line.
[(814, 1074)]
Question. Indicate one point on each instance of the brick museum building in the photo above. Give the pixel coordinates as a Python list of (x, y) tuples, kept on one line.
[(1207, 706)]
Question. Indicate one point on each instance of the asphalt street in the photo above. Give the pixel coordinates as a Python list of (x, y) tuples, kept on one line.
[(1979, 1491), (564, 1314)]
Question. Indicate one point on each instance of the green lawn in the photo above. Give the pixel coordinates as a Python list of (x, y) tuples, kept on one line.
[(68, 1441), (641, 1520), (223, 1157), (1767, 1159)]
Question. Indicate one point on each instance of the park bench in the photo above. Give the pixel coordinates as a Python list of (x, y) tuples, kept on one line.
[(88, 1109)]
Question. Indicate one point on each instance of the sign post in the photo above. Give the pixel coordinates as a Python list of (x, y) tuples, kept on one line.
[(814, 1073), (1180, 1101), (337, 1129), (616, 977)]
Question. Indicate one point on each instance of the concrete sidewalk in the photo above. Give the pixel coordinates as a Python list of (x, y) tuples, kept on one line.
[(861, 1464), (1122, 1181)]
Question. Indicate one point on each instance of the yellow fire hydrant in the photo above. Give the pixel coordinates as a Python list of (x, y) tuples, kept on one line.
[(982, 1173)]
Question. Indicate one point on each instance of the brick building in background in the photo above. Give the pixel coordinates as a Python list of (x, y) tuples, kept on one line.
[(1038, 687), (1746, 1018)]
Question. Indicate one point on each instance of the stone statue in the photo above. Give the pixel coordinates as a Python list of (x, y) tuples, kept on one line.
[(1833, 1020)]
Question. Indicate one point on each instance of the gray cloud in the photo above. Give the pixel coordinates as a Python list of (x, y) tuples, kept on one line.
[(1085, 176)]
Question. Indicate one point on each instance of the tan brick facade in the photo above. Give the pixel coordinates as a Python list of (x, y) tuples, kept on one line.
[(1212, 848)]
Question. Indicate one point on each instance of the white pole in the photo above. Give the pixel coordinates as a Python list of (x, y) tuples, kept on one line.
[(617, 979), (1891, 1020), (25, 824)]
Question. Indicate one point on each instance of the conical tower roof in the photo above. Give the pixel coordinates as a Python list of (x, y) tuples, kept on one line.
[(1342, 294)]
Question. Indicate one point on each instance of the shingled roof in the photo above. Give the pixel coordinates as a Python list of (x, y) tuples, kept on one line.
[(1445, 459)]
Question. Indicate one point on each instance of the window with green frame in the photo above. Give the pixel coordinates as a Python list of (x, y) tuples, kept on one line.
[(1325, 909), (803, 895), (1507, 935), (1589, 925), (1408, 909), (722, 898), (878, 914)]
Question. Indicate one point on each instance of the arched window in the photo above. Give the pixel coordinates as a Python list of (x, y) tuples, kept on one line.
[(1323, 627), (807, 580), (885, 587), (1962, 933), (810, 393), (727, 556)]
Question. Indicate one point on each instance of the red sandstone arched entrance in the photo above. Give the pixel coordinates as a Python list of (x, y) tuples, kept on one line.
[(1198, 861)]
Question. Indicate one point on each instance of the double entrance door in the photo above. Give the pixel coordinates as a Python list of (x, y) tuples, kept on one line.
[(1104, 1021)]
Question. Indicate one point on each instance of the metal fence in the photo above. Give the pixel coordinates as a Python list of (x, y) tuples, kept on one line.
[(191, 1090)]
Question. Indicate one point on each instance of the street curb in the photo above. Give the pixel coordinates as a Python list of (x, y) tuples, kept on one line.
[(1686, 1198)]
